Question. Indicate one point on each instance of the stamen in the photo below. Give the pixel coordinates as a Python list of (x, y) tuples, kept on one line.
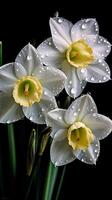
[(26, 90)]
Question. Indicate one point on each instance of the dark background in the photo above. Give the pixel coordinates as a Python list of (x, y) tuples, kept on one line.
[(20, 24)]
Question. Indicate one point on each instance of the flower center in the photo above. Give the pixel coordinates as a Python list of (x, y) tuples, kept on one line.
[(79, 136), (79, 54), (27, 91)]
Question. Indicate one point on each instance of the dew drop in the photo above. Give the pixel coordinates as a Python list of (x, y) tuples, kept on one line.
[(72, 91), (92, 79), (42, 56), (49, 43), (59, 21), (75, 114), (83, 70), (104, 78), (31, 118), (29, 57), (84, 26), (8, 121)]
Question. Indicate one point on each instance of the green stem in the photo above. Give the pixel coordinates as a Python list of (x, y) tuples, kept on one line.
[(50, 181), (12, 149), (0, 53), (60, 183)]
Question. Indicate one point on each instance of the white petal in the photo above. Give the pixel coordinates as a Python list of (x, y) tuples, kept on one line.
[(34, 113), (19, 70), (28, 57), (55, 119), (101, 48), (49, 54), (7, 77), (51, 78), (38, 111), (61, 153), (90, 155), (83, 28), (9, 110), (100, 125), (98, 72), (60, 33), (73, 85), (80, 108)]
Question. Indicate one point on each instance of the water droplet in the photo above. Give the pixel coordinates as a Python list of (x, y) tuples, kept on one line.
[(60, 117), (42, 56), (29, 57), (45, 93), (75, 114), (72, 91), (70, 82), (83, 70), (107, 51), (99, 81), (49, 43), (104, 78), (95, 151), (92, 79), (82, 160), (43, 109), (31, 118), (84, 26), (59, 21), (8, 121), (100, 61)]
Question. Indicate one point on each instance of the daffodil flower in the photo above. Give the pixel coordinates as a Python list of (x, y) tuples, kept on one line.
[(28, 88), (77, 50), (76, 132)]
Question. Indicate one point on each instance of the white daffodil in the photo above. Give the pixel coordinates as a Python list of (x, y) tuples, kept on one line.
[(28, 88), (77, 50), (76, 132)]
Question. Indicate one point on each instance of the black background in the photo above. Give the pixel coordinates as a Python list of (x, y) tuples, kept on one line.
[(20, 24)]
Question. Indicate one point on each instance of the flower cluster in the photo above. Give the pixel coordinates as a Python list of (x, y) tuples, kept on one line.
[(71, 57)]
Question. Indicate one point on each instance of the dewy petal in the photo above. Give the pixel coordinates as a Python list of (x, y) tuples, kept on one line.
[(100, 125), (9, 110), (51, 78), (83, 28), (90, 155), (55, 119), (101, 48), (49, 54), (73, 85), (7, 77), (80, 108), (38, 111), (61, 153), (28, 57), (97, 72), (60, 30)]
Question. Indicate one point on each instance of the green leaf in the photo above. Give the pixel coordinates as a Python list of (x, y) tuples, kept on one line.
[(50, 181), (0, 53), (60, 183), (12, 149)]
